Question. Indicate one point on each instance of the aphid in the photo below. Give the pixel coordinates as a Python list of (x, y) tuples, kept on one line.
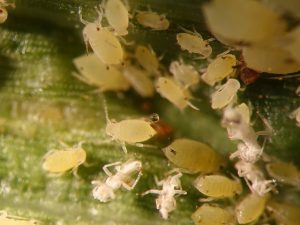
[(166, 202), (6, 219), (147, 59), (130, 131), (254, 178), (139, 80), (236, 21), (244, 111), (250, 208), (284, 213), (247, 75), (194, 43), (104, 192), (288, 7), (284, 172), (193, 156), (225, 94), (296, 115), (170, 90), (218, 186), (117, 16), (184, 74), (103, 42), (3, 14), (60, 161), (213, 215), (152, 20), (221, 67), (164, 130), (94, 72)]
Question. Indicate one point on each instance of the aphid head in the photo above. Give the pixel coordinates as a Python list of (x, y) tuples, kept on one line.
[(231, 117), (81, 155)]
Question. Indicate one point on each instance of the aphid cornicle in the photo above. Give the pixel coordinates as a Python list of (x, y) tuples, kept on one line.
[(193, 156), (94, 72), (6, 219), (218, 186), (152, 20), (147, 59), (250, 208), (60, 161), (284, 213), (129, 131), (213, 215)]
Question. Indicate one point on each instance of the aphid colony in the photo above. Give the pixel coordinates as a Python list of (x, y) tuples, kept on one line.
[(111, 68)]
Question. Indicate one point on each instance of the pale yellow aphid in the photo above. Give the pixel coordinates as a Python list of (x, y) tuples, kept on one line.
[(193, 156), (218, 186), (225, 94), (3, 14), (60, 161), (270, 58), (194, 43), (147, 58), (284, 172), (94, 72), (130, 131), (6, 219), (139, 80), (250, 208), (184, 74), (236, 21), (221, 67), (296, 115), (172, 91), (291, 42), (152, 20), (244, 111), (284, 213), (117, 16), (213, 215)]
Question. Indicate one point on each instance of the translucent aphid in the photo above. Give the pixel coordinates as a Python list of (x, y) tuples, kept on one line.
[(193, 156), (218, 186), (194, 43), (283, 172), (184, 74), (94, 72), (296, 115), (6, 219), (171, 186), (60, 161), (172, 91), (221, 67), (152, 20), (103, 42), (139, 80), (3, 14), (147, 58), (104, 191), (254, 178), (236, 21), (213, 215), (244, 110), (250, 208), (284, 213), (117, 16), (225, 94), (130, 131)]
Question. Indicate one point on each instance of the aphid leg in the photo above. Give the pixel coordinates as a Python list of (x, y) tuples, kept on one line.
[(100, 13), (125, 42), (141, 145), (192, 106), (130, 187), (223, 53), (81, 78), (234, 155), (75, 172), (209, 199), (106, 170), (158, 182), (180, 192), (151, 191), (123, 145)]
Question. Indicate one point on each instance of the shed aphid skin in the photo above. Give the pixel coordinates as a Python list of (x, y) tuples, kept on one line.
[(6, 219), (104, 191), (254, 178), (238, 25), (296, 115), (129, 131), (171, 186), (139, 80), (194, 43), (94, 72), (221, 67), (104, 43), (244, 111), (193, 156), (152, 20), (173, 92), (284, 213), (225, 94), (217, 186), (117, 16), (147, 58), (184, 74), (213, 215), (283, 172), (58, 162), (250, 208)]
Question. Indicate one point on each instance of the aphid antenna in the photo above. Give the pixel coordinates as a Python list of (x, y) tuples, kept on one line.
[(105, 110), (85, 22), (193, 106), (125, 42), (189, 31), (100, 13)]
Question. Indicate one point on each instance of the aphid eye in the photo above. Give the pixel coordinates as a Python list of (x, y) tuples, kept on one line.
[(1, 11), (98, 28), (107, 67), (173, 151)]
